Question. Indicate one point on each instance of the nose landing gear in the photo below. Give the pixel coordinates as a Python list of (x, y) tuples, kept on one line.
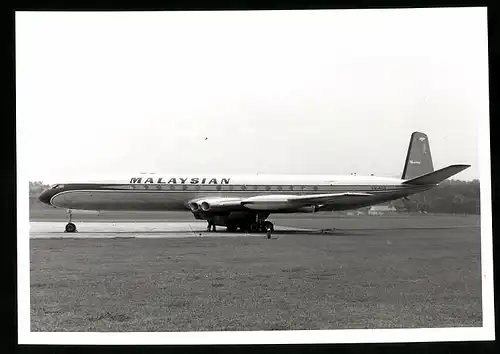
[(70, 227)]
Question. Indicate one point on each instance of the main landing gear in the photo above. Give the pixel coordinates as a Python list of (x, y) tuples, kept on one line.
[(254, 224), (265, 226), (70, 227), (259, 225), (268, 227), (262, 225), (211, 226)]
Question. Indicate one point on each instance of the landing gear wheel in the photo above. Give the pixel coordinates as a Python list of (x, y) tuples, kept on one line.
[(210, 227), (254, 227), (70, 227), (231, 227), (268, 226)]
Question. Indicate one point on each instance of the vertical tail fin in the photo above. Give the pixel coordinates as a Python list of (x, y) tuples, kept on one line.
[(418, 158)]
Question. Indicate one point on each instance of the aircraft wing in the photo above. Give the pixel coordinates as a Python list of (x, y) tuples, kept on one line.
[(274, 202), (327, 198)]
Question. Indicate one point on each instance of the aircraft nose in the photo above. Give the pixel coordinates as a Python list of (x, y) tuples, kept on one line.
[(45, 197)]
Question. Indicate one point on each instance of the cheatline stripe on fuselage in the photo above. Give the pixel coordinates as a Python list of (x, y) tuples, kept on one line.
[(325, 189), (248, 188)]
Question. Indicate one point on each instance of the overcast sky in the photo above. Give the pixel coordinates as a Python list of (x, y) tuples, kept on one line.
[(334, 92)]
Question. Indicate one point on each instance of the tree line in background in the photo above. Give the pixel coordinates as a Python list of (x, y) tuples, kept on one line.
[(451, 196), (36, 188)]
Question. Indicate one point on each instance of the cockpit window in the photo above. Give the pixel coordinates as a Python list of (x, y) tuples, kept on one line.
[(57, 186)]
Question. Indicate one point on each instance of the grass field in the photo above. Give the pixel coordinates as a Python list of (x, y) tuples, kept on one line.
[(362, 276)]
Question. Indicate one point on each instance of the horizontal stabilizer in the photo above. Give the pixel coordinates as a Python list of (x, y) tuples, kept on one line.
[(437, 176)]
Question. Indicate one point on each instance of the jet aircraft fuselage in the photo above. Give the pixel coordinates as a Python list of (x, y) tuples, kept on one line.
[(245, 201)]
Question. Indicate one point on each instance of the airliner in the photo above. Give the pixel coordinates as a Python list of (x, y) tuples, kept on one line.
[(244, 202)]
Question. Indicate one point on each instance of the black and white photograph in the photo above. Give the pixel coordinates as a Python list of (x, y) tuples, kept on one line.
[(285, 176)]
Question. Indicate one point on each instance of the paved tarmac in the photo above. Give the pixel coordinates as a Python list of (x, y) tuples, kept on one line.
[(95, 228), (47, 230)]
